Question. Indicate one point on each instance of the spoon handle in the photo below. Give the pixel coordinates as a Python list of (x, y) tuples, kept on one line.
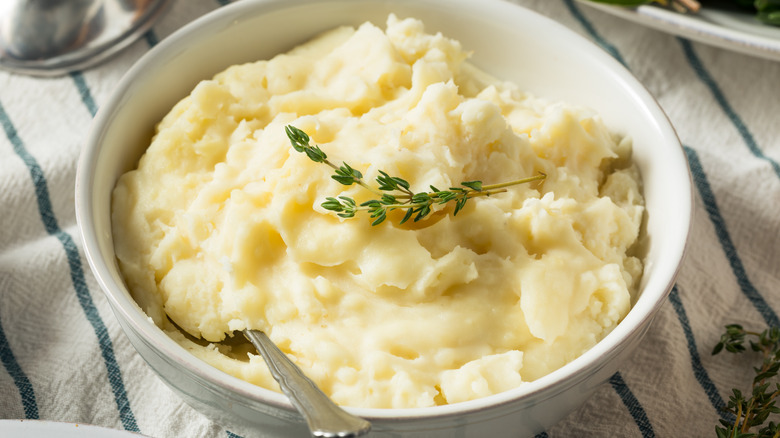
[(324, 417)]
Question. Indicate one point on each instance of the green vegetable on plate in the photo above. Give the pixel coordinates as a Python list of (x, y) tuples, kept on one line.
[(767, 11)]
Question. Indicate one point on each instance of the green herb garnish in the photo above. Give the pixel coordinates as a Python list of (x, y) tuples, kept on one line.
[(753, 411), (767, 11), (393, 193)]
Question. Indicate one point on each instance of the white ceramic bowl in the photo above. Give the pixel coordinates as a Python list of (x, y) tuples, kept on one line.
[(508, 41)]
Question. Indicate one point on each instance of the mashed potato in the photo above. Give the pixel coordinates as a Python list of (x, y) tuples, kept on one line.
[(220, 227)]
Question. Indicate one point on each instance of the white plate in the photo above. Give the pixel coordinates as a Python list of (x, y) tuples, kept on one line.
[(733, 30), (47, 429)]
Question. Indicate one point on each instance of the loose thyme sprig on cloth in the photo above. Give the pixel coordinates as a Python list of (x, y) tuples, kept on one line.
[(753, 411), (393, 193)]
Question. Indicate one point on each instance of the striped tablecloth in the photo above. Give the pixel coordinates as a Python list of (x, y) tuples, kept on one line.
[(64, 358)]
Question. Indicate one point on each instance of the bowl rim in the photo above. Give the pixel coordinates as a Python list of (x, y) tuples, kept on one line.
[(557, 381)]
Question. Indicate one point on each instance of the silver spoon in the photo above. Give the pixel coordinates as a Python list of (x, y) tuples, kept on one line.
[(54, 37), (324, 418)]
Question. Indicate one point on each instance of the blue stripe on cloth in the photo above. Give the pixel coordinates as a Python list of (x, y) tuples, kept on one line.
[(151, 38), (21, 381), (717, 93), (711, 206), (223, 2), (86, 95), (232, 435), (698, 369), (632, 404), (76, 272), (588, 26)]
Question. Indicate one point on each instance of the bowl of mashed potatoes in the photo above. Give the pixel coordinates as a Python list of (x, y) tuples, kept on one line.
[(494, 316)]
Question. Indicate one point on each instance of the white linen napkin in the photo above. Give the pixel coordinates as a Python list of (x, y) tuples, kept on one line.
[(63, 356)]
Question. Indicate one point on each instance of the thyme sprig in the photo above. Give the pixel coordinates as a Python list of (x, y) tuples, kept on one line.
[(393, 193), (751, 412)]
